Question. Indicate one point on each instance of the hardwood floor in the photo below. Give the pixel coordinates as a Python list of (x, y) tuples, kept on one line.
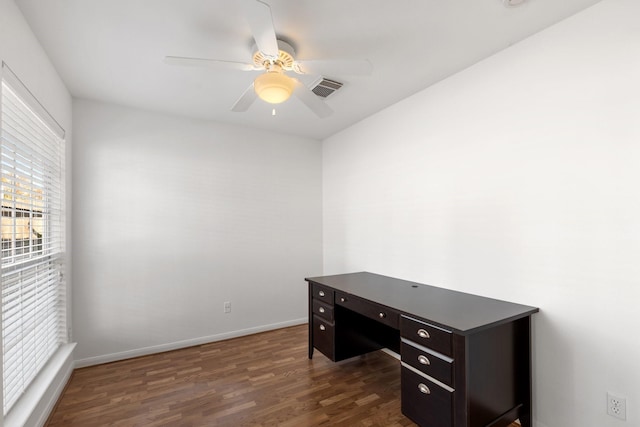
[(259, 380)]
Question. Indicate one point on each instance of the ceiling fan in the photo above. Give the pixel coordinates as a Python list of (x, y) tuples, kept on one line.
[(276, 57)]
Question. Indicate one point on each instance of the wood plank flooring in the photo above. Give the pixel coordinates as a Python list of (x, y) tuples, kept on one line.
[(259, 380)]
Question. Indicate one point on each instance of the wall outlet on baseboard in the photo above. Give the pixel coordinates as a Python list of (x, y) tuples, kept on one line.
[(227, 307), (617, 406)]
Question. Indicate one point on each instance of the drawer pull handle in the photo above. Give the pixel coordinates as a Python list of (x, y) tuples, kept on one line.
[(343, 299), (423, 360), (322, 328), (423, 334), (321, 309), (321, 293), (382, 315), (424, 389)]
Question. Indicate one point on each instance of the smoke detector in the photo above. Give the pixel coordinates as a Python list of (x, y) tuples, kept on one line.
[(511, 3)]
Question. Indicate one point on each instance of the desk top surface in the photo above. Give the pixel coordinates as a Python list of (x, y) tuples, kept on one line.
[(461, 312)]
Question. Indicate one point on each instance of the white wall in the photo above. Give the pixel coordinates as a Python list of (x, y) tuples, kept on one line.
[(519, 179), (21, 51), (175, 216)]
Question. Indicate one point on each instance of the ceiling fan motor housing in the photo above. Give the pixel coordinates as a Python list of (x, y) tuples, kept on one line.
[(285, 56)]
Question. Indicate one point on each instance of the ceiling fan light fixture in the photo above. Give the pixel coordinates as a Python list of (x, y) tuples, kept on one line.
[(274, 87)]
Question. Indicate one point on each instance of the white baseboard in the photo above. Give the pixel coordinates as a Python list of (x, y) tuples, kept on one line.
[(391, 353), (107, 358)]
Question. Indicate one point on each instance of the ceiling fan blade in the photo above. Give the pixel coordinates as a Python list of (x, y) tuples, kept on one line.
[(210, 63), (312, 101), (338, 67), (261, 23), (244, 102)]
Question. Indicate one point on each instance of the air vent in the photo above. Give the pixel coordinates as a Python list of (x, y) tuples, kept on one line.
[(326, 87)]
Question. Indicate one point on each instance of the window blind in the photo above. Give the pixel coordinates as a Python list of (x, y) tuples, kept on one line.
[(32, 257)]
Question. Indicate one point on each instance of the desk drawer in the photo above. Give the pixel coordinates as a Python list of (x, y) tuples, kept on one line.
[(324, 337), (426, 335), (370, 309), (322, 309), (322, 293), (426, 403), (430, 364)]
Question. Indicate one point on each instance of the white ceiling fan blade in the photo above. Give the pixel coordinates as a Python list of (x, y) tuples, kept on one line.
[(337, 67), (261, 24), (209, 63), (312, 101), (244, 102)]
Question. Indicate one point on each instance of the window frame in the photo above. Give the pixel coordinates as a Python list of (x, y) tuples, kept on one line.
[(37, 274)]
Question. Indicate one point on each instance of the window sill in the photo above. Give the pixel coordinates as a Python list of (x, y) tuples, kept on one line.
[(35, 405)]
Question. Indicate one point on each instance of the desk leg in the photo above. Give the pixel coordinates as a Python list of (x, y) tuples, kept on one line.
[(310, 322), (526, 373)]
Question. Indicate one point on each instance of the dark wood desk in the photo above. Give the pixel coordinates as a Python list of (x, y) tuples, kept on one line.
[(466, 359)]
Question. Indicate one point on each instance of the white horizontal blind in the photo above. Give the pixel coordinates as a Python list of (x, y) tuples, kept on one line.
[(33, 289)]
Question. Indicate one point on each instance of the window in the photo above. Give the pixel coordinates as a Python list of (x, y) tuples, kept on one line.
[(33, 288)]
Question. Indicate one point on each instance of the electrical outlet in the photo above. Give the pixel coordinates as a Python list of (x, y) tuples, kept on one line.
[(227, 307), (617, 406)]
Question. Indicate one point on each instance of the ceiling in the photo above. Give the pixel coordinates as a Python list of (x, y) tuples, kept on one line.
[(113, 50)]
